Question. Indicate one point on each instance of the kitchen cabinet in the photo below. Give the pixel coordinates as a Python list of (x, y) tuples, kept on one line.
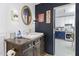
[(64, 15), (64, 11), (59, 34)]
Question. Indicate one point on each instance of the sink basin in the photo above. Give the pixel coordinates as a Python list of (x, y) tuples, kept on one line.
[(34, 35)]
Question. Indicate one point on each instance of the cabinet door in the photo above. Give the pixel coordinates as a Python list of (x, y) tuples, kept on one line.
[(70, 9), (59, 12), (65, 10), (28, 51), (60, 22), (60, 35), (37, 49), (42, 46)]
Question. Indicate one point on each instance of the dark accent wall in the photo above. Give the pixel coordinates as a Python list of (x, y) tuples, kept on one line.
[(47, 29), (77, 30)]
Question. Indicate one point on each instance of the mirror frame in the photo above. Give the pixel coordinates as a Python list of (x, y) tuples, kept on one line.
[(30, 15)]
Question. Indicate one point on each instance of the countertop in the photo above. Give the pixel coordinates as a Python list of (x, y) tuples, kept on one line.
[(18, 41), (59, 31), (27, 39)]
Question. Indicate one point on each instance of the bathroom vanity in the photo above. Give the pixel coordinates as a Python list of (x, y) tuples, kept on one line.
[(32, 45)]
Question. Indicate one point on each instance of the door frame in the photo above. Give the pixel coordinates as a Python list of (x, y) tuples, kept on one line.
[(54, 28)]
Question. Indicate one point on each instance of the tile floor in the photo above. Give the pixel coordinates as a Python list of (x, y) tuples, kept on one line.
[(64, 48)]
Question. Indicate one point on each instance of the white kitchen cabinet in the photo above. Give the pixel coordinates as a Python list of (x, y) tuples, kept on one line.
[(59, 12), (70, 10), (70, 20), (64, 15), (59, 22), (65, 11)]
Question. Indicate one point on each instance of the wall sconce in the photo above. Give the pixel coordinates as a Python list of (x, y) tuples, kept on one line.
[(14, 15)]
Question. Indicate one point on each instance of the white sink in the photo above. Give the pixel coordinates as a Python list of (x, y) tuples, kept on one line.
[(34, 35)]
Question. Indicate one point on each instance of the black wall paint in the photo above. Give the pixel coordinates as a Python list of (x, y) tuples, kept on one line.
[(47, 29), (77, 29)]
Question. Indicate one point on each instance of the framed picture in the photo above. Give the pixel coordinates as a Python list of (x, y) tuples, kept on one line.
[(41, 17), (48, 16)]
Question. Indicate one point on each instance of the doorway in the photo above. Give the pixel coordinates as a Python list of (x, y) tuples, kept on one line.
[(64, 30)]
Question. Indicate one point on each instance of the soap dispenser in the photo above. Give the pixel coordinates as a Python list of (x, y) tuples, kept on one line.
[(19, 34)]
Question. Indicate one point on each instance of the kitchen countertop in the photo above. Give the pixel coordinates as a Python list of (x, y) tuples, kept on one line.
[(59, 31)]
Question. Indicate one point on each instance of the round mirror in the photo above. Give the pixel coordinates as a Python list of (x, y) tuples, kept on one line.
[(26, 15)]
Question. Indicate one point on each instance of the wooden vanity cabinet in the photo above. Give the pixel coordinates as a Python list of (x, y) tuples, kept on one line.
[(26, 48), (23, 49), (11, 46)]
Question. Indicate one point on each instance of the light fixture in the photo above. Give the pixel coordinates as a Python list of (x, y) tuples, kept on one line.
[(14, 14)]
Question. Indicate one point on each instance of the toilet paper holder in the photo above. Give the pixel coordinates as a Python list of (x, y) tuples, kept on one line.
[(11, 52), (14, 49)]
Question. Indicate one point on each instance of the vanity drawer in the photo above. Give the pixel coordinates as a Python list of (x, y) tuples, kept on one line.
[(26, 46), (28, 51), (36, 41)]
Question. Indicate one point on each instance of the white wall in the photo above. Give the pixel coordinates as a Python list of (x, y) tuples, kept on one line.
[(8, 26), (16, 25)]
